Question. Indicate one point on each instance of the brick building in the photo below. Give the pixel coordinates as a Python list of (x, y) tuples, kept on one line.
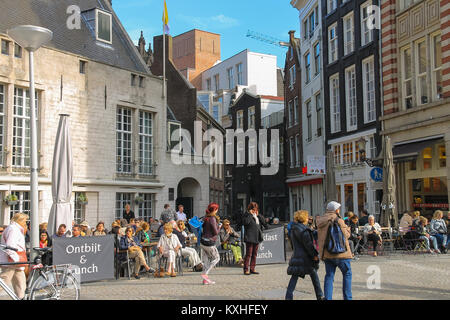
[(416, 98)]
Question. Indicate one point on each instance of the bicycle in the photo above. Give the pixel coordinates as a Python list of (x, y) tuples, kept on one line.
[(56, 282)]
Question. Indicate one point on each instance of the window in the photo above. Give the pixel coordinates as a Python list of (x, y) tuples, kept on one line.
[(175, 144), (240, 119), (421, 73), (312, 23), (5, 47), (21, 127), (308, 115), (215, 112), (307, 67), (317, 58), (305, 28), (17, 51), (145, 143), (348, 34), (292, 156), (292, 77), (332, 5), (366, 33), (369, 90), (291, 113), (427, 158), (208, 84), (297, 150), (230, 78), (104, 26), (296, 111), (406, 77), (337, 154), (347, 153), (124, 140), (442, 156), (350, 97), (122, 199), (372, 148), (2, 124), (133, 80), (79, 209), (436, 62), (145, 210), (216, 82), (83, 67), (332, 43), (23, 205), (319, 115), (251, 117), (240, 74), (141, 81), (334, 104)]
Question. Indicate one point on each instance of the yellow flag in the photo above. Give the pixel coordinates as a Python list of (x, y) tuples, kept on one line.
[(165, 14)]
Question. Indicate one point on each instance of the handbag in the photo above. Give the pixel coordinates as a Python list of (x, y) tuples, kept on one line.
[(22, 258)]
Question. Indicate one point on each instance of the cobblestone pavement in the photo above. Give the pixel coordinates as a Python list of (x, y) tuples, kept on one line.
[(402, 277)]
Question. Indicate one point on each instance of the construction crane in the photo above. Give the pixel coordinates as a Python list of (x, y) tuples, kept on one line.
[(268, 39)]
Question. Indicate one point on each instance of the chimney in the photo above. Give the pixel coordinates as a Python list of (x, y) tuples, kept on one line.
[(158, 53)]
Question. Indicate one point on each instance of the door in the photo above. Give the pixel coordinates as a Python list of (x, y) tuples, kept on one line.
[(188, 204)]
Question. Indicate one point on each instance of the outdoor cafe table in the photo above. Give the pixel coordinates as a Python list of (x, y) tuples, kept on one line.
[(146, 247)]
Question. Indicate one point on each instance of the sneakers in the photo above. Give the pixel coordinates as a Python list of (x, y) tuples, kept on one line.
[(206, 280)]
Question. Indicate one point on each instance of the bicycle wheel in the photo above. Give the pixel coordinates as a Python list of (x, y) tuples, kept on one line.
[(50, 289)]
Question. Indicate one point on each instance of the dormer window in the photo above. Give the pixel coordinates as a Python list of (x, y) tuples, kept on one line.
[(103, 26)]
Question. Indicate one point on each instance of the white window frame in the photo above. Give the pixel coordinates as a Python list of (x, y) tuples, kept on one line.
[(251, 118), (297, 150), (404, 79), (240, 74), (309, 120), (208, 84), (230, 77), (79, 210), (145, 208), (240, 119), (307, 67), (290, 113), (23, 205), (436, 67), (370, 113), (335, 108), (350, 98), (97, 11), (319, 114), (122, 199), (333, 43), (295, 110), (125, 136), (364, 28), (317, 58), (292, 77), (331, 5), (349, 37), (217, 82), (291, 153), (419, 75), (145, 143)]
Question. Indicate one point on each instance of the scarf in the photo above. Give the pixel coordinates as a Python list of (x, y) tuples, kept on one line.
[(255, 217)]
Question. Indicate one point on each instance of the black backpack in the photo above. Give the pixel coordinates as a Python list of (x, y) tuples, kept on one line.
[(335, 240)]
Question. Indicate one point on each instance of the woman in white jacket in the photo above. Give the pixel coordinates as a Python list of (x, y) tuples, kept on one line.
[(14, 237)]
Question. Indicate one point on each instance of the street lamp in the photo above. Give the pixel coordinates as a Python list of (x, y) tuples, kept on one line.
[(32, 38), (362, 153)]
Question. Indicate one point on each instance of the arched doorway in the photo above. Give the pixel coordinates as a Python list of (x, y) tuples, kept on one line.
[(189, 195)]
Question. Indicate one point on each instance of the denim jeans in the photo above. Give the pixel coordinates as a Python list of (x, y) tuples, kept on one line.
[(427, 242), (346, 269), (293, 282), (442, 239)]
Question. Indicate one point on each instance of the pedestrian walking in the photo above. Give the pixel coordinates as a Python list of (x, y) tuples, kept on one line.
[(305, 259), (208, 241), (333, 260), (253, 224), (14, 237)]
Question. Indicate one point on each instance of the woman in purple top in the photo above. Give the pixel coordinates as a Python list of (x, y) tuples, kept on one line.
[(208, 241)]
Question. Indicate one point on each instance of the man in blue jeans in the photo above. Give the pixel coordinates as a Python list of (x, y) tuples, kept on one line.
[(340, 260)]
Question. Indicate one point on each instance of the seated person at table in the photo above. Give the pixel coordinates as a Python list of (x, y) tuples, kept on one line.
[(230, 240), (61, 233), (354, 236), (44, 240), (100, 229), (168, 246), (76, 231), (372, 231), (405, 222), (142, 233), (415, 219), (195, 262), (131, 243), (438, 229), (422, 231)]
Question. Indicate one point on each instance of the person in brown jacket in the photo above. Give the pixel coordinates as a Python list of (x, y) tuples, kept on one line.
[(340, 260)]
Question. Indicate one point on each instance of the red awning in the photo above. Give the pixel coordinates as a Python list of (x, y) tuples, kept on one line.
[(306, 182)]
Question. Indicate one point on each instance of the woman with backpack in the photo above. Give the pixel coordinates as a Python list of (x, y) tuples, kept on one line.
[(210, 231), (305, 259)]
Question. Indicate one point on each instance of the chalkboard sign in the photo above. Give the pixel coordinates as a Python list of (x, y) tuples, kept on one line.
[(94, 256)]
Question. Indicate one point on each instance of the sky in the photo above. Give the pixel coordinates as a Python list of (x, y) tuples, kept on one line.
[(231, 19)]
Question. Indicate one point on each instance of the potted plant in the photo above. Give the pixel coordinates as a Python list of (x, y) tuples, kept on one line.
[(82, 199), (138, 200), (11, 199)]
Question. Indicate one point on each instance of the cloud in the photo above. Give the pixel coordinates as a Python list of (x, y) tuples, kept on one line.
[(220, 21)]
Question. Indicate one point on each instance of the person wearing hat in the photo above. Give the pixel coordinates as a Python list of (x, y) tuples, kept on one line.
[(85, 230), (340, 260)]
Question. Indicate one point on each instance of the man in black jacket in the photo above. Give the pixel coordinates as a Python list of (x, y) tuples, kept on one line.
[(253, 223), (128, 214)]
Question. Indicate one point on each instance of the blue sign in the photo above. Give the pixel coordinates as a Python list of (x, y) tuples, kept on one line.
[(376, 174)]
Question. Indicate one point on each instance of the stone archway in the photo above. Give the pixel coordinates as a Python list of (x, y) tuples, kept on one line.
[(189, 194)]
